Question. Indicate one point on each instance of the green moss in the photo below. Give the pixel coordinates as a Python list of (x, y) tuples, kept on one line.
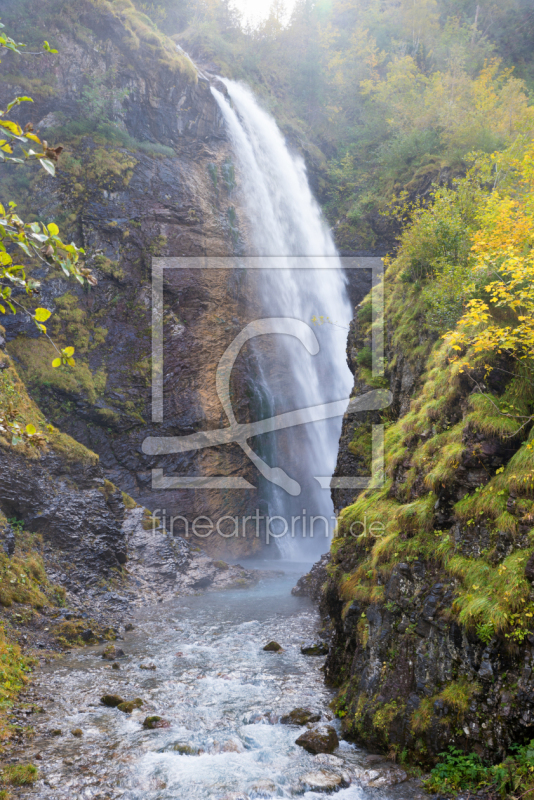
[(139, 30), (20, 774), (109, 268), (495, 595), (75, 325), (385, 715), (361, 445), (15, 400), (128, 501), (14, 669), (34, 360)]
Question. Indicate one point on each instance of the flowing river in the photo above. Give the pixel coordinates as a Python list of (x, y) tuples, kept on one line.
[(220, 691)]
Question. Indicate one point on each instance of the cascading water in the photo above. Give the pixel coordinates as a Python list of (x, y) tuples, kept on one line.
[(301, 278)]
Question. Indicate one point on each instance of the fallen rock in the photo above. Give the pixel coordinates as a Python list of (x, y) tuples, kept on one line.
[(77, 732), (324, 781), (56, 732), (112, 700), (300, 716), (273, 647), (378, 778), (155, 722), (112, 652), (147, 666), (115, 665), (129, 627), (314, 649), (319, 740), (129, 705)]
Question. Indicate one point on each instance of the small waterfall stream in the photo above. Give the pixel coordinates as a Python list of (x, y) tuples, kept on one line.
[(300, 278)]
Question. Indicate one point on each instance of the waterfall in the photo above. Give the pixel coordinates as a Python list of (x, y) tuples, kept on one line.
[(285, 228)]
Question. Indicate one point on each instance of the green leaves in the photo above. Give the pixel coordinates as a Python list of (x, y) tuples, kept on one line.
[(48, 166), (17, 102), (38, 242)]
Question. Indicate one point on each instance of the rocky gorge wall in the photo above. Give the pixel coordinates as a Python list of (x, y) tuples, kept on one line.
[(146, 172), (415, 653)]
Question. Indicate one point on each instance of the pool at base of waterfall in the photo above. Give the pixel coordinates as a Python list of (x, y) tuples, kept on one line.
[(198, 664)]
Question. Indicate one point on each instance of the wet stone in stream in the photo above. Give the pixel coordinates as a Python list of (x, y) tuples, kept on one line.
[(222, 701)]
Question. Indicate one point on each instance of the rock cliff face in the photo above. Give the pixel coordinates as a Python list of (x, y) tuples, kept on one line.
[(417, 663), (153, 176), (107, 552)]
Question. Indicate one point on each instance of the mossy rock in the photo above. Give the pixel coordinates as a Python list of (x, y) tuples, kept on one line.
[(273, 647), (112, 700), (77, 732), (150, 723), (111, 653), (129, 705), (185, 749), (314, 649)]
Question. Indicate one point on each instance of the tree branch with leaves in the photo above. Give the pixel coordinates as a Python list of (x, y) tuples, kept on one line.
[(24, 244)]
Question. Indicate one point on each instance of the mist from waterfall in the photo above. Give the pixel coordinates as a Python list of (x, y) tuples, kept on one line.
[(284, 226)]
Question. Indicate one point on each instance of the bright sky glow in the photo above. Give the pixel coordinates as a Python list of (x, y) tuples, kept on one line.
[(255, 11)]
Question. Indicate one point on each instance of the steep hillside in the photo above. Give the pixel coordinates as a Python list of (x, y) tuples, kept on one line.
[(429, 588)]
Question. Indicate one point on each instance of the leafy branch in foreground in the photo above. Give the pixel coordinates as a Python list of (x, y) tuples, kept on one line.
[(30, 242)]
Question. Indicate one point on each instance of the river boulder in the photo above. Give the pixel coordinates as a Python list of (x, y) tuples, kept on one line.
[(324, 781), (319, 740), (150, 723), (111, 700), (273, 647), (300, 716)]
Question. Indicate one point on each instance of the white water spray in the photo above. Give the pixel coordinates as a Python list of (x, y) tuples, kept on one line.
[(286, 227)]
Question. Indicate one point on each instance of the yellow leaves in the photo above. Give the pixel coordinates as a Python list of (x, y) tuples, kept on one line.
[(53, 229), (33, 138), (42, 314), (503, 249), (65, 359), (12, 127)]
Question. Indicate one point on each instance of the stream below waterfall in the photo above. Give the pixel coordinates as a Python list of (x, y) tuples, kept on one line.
[(221, 693)]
